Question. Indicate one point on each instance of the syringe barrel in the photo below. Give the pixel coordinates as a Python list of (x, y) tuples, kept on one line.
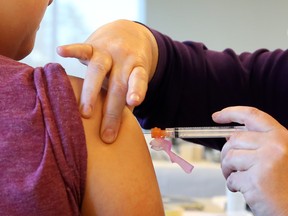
[(202, 132)]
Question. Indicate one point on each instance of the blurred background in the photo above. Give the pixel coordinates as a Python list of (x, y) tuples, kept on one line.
[(72, 21), (241, 25)]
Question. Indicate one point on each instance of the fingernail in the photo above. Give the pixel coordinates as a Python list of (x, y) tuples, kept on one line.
[(216, 114), (108, 135), (134, 97), (86, 111)]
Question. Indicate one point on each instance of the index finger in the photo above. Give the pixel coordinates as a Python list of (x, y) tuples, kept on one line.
[(253, 118)]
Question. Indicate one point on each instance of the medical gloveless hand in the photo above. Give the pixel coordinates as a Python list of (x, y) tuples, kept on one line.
[(254, 162), (127, 53)]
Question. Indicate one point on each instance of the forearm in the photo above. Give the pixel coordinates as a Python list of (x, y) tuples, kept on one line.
[(191, 82), (189, 85)]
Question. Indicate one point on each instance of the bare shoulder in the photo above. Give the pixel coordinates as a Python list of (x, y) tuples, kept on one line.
[(120, 176), (76, 84)]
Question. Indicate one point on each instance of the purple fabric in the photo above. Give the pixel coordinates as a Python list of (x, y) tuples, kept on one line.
[(191, 82), (43, 154)]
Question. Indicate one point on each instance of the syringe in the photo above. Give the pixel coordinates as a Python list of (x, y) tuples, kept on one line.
[(196, 132)]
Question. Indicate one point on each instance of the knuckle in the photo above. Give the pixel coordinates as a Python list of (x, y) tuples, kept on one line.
[(253, 112), (280, 144), (120, 47), (140, 73), (112, 116), (101, 67), (89, 92), (101, 62), (231, 183), (235, 139), (281, 150), (228, 158), (86, 56), (119, 88), (138, 78), (140, 59)]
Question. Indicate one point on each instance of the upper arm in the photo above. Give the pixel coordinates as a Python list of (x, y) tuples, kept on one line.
[(120, 176)]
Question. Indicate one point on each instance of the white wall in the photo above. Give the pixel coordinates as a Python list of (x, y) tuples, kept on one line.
[(243, 25)]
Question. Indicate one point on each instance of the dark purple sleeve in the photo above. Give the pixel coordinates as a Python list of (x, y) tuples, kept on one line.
[(191, 82)]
